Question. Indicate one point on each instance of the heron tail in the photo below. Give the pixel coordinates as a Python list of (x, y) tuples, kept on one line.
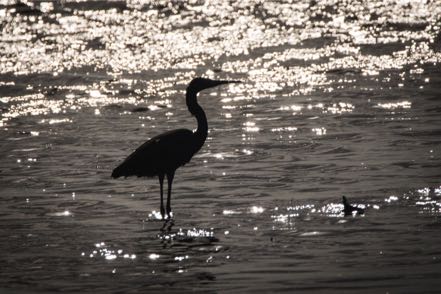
[(117, 172)]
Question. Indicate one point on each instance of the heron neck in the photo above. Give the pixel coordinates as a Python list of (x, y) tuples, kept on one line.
[(196, 110)]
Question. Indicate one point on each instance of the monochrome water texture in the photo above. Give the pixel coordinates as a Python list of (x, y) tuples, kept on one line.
[(338, 98)]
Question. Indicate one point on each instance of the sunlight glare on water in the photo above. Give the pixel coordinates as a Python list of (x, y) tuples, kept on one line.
[(336, 98)]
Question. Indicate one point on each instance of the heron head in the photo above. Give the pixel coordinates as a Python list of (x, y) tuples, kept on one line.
[(199, 84)]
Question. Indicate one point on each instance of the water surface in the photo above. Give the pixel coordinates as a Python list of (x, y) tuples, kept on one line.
[(337, 99)]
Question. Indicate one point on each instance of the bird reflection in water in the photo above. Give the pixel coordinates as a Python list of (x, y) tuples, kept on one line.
[(167, 226), (163, 154)]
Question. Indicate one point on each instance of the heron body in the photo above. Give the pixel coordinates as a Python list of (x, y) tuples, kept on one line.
[(159, 155), (162, 155)]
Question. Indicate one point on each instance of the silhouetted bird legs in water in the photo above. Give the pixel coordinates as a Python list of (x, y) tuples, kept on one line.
[(161, 184), (167, 209), (170, 177)]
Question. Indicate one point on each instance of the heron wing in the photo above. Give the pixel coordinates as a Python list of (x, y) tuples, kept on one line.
[(159, 155)]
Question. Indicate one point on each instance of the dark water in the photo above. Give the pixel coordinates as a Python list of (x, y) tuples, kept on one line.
[(338, 98)]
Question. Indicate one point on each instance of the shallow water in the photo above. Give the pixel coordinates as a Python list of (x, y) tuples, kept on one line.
[(337, 99)]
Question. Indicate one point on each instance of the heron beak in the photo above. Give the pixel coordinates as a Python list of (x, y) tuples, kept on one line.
[(217, 83), (202, 84), (230, 82)]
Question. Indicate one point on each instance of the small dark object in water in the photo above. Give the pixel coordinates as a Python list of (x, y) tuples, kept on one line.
[(349, 209), (140, 109), (51, 91), (163, 154), (24, 9)]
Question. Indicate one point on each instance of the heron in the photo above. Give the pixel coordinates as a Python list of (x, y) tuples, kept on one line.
[(162, 155)]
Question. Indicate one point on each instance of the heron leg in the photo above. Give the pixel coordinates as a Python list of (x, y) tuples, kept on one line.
[(170, 177), (161, 182)]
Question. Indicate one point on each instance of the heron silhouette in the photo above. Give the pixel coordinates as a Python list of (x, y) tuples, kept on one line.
[(162, 155)]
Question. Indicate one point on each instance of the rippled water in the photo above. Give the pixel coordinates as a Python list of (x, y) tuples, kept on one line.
[(338, 98)]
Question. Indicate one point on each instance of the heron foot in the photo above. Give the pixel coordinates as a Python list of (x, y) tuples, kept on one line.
[(162, 212)]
